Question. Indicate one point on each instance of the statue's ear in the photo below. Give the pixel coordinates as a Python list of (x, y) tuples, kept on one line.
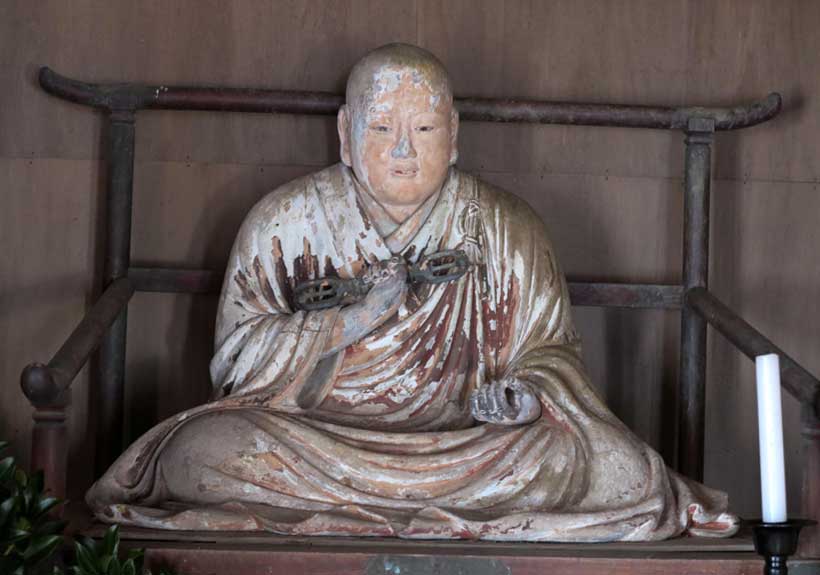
[(453, 136), (343, 126)]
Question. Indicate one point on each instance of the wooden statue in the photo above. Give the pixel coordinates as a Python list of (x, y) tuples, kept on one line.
[(395, 356)]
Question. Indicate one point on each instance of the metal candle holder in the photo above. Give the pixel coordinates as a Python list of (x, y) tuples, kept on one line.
[(776, 541)]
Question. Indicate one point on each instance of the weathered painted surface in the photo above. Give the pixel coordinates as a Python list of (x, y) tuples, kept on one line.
[(453, 410)]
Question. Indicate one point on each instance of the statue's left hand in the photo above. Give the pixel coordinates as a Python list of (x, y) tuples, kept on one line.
[(505, 402)]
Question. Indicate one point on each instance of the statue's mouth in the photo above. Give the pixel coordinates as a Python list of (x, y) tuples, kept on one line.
[(404, 173)]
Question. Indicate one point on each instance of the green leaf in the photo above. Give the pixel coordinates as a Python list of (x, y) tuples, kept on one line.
[(85, 559), (111, 541), (40, 548), (44, 504), (136, 556), (114, 568), (90, 544), (20, 477), (129, 568), (22, 524), (6, 469), (29, 495), (6, 508), (36, 481), (15, 535)]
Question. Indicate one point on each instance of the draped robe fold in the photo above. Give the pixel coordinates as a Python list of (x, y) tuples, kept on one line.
[(378, 439)]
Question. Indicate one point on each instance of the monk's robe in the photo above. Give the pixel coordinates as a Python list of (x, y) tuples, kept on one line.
[(378, 438)]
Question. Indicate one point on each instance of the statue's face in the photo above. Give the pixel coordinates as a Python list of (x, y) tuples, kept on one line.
[(402, 137)]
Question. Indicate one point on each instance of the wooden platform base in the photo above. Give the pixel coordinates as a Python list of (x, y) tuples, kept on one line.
[(207, 553)]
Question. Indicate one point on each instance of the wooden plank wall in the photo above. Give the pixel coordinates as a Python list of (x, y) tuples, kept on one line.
[(612, 198)]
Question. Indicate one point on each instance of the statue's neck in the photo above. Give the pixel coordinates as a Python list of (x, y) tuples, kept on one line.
[(388, 217), (400, 213)]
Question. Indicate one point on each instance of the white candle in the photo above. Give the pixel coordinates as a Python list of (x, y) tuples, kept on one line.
[(770, 427)]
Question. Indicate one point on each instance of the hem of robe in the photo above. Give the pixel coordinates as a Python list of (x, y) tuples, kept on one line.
[(636, 523)]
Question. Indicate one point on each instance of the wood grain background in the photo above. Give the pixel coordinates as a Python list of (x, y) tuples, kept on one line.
[(612, 198)]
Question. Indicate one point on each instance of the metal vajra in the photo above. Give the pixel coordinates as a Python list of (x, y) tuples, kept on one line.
[(323, 293)]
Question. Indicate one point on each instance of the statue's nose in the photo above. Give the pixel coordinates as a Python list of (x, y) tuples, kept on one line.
[(404, 148)]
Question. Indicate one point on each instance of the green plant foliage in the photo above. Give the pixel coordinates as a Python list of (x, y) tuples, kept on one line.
[(102, 557), (28, 535)]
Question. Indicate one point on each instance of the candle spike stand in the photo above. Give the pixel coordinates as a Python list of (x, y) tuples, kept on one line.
[(777, 541)]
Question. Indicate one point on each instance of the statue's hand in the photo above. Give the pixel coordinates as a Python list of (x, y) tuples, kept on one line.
[(505, 402), (389, 280)]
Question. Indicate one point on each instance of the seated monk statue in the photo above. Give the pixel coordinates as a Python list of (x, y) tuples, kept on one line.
[(395, 356)]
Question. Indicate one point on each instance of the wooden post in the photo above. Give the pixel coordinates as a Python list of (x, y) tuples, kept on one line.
[(110, 376), (810, 500), (692, 385), (49, 446)]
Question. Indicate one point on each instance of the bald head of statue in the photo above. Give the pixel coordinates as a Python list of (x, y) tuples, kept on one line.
[(398, 128)]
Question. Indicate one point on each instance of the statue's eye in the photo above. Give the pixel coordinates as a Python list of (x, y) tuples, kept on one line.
[(381, 128), (426, 128)]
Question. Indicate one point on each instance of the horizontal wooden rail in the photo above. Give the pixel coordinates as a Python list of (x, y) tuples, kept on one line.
[(625, 295), (133, 97), (581, 293), (796, 380), (44, 384), (175, 280)]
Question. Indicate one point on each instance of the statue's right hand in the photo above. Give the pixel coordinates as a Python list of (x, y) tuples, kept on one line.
[(389, 280)]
